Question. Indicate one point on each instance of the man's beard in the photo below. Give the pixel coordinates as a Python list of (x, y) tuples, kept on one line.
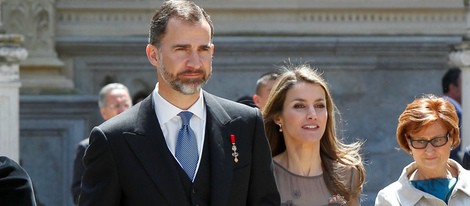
[(187, 87)]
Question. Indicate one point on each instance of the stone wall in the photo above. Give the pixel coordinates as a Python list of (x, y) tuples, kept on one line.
[(51, 127)]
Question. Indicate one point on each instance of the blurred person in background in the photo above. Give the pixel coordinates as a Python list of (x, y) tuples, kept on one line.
[(113, 99), (452, 90), (263, 88)]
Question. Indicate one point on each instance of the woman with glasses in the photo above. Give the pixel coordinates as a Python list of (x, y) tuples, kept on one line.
[(428, 130)]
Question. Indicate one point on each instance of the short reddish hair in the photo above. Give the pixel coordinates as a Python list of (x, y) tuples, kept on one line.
[(423, 111)]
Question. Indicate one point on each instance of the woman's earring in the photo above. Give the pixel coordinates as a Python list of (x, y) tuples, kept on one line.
[(280, 127), (451, 147)]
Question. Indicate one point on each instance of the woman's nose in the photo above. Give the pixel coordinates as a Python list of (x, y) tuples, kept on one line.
[(312, 114)]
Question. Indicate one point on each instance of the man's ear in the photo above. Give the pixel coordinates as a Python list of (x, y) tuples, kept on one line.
[(152, 54), (256, 100)]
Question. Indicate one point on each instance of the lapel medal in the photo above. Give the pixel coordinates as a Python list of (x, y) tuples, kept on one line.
[(234, 148)]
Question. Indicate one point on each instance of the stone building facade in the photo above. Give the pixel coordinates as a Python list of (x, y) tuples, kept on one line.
[(377, 56)]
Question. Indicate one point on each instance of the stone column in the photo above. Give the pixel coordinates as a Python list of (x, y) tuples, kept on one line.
[(460, 57), (10, 56)]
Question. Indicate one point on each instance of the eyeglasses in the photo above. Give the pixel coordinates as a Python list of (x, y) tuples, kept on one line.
[(117, 106), (435, 142)]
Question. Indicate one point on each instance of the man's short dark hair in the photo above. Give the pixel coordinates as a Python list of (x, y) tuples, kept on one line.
[(450, 77), (185, 10)]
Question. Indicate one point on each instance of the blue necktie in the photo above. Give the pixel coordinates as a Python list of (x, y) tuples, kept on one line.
[(186, 146)]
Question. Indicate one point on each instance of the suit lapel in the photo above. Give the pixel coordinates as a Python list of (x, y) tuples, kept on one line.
[(221, 161), (150, 147)]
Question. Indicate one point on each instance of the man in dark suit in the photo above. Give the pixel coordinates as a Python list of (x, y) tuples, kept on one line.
[(134, 158)]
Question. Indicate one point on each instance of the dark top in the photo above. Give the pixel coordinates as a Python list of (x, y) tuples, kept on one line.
[(78, 169), (466, 158), (439, 187), (16, 188), (129, 163)]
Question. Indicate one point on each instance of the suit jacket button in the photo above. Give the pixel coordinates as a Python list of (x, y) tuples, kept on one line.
[(194, 191)]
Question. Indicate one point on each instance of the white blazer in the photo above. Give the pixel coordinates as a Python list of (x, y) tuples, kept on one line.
[(402, 192)]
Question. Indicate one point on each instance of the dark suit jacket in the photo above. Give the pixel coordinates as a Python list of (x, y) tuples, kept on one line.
[(466, 158), (16, 187), (78, 169), (128, 161)]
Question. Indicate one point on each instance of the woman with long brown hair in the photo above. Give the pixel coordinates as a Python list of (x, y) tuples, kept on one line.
[(311, 164)]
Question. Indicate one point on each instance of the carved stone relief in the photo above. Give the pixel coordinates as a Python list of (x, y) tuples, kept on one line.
[(301, 17), (35, 20)]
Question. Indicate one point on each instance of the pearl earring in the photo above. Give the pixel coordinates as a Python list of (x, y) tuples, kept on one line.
[(280, 127)]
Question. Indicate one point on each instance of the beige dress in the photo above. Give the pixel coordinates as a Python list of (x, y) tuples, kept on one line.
[(296, 190)]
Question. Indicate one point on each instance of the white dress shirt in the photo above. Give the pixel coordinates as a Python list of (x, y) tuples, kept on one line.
[(170, 122)]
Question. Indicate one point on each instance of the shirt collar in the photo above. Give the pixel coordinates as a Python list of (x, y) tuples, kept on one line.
[(167, 111), (409, 195), (463, 183)]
